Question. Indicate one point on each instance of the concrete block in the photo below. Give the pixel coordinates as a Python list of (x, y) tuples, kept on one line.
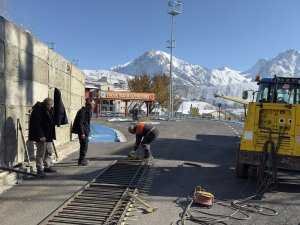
[(73, 113), (76, 102), (59, 79), (59, 62), (2, 50), (25, 65), (40, 92), (40, 50), (40, 71), (2, 28), (11, 34), (24, 92), (52, 72), (2, 134), (13, 143), (2, 122), (2, 91), (11, 60), (77, 87), (24, 41), (77, 74), (66, 98), (63, 134), (14, 139)]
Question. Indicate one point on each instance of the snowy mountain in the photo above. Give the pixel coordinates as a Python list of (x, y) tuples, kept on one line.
[(98, 77), (184, 73), (198, 82), (286, 64)]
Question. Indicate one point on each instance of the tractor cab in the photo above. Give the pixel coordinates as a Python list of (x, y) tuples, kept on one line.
[(283, 90)]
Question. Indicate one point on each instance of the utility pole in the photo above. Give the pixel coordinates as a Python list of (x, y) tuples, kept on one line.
[(76, 62), (51, 45), (176, 10)]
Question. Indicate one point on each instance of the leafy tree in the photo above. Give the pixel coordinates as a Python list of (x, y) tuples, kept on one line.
[(194, 111), (140, 84), (160, 87), (157, 84)]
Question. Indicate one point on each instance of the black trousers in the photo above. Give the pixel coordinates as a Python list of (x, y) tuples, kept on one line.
[(150, 137), (84, 144)]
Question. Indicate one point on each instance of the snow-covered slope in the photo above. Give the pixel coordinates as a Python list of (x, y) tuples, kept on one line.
[(286, 64), (184, 73), (198, 82), (97, 77)]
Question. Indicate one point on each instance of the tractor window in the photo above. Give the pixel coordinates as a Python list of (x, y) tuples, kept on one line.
[(297, 95), (288, 93), (263, 94)]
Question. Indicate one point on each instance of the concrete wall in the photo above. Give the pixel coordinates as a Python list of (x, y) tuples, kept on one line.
[(29, 72)]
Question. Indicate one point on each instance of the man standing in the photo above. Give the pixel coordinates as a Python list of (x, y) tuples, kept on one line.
[(145, 133), (135, 114), (42, 132), (81, 127)]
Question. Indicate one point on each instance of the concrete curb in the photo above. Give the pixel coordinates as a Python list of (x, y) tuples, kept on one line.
[(120, 136)]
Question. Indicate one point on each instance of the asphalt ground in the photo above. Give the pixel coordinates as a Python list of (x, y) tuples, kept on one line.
[(186, 154)]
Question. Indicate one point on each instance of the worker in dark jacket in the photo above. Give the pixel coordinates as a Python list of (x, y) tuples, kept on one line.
[(42, 132), (81, 127), (145, 133)]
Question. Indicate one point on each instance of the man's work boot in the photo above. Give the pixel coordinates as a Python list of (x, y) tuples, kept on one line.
[(132, 155), (41, 173), (147, 152), (83, 162), (50, 170)]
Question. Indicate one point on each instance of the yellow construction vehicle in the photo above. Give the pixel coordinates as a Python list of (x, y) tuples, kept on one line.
[(271, 134)]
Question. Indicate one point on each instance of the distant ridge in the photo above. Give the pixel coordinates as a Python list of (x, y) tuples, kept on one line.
[(199, 82)]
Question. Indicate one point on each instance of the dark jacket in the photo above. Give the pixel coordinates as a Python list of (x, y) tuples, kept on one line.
[(142, 130), (82, 122), (60, 116), (41, 123)]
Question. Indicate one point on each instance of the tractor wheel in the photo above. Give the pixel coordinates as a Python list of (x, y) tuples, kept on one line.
[(241, 169)]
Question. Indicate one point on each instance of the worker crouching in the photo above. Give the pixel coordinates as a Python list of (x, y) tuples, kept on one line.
[(145, 133)]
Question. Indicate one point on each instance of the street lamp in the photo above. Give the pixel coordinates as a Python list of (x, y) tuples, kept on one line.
[(176, 10)]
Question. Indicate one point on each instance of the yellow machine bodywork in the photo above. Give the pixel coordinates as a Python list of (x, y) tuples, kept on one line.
[(278, 122), (272, 124)]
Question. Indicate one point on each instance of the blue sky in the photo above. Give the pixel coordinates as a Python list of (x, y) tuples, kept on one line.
[(210, 33)]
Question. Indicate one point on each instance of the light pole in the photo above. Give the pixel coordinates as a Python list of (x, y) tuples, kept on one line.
[(176, 10)]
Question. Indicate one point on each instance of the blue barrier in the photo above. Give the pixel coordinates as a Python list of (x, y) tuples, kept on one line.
[(103, 134)]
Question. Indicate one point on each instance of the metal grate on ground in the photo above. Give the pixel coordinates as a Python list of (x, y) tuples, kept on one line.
[(105, 199)]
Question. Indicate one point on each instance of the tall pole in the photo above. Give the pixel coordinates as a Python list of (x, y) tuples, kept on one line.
[(176, 10), (171, 67)]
